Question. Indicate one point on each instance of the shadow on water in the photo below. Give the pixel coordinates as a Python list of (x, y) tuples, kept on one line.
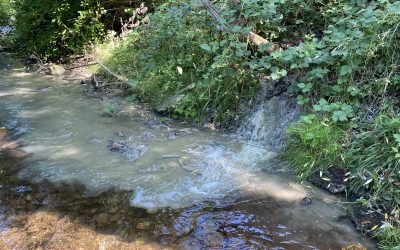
[(49, 216), (64, 215)]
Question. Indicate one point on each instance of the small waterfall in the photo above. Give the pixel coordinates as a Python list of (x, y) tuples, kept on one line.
[(269, 116)]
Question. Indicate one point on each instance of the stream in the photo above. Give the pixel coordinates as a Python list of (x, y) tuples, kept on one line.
[(144, 181)]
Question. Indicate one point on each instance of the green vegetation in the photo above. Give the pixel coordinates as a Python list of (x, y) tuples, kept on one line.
[(341, 56), (313, 144), (6, 11), (52, 29), (389, 236), (180, 62), (374, 159)]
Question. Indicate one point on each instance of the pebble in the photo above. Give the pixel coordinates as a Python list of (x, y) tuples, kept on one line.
[(306, 201)]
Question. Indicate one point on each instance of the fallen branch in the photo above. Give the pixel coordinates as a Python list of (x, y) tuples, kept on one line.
[(121, 78), (253, 37), (84, 65)]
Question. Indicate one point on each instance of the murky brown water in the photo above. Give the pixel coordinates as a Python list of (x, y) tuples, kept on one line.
[(169, 187)]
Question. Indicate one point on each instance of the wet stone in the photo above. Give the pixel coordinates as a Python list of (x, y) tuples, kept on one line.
[(165, 231), (306, 201), (23, 189), (134, 152), (113, 210), (43, 89), (116, 146), (336, 188), (148, 135), (332, 180)]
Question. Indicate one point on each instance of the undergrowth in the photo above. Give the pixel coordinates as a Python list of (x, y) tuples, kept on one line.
[(6, 12), (180, 64)]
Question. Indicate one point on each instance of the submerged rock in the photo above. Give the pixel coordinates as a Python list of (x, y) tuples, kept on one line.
[(306, 201), (43, 89), (132, 152), (148, 135), (116, 146)]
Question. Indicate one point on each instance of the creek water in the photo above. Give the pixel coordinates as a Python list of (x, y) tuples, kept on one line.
[(184, 187)]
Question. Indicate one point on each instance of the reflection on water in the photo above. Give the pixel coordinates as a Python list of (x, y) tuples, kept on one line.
[(185, 188)]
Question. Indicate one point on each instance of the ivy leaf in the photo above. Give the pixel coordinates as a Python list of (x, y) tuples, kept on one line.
[(345, 70), (264, 46), (301, 100), (307, 88), (353, 90), (277, 73), (236, 28), (301, 85), (339, 115), (397, 137), (205, 47), (317, 107)]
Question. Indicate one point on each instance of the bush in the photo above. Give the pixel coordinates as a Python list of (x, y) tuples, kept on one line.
[(180, 62), (53, 28), (6, 11)]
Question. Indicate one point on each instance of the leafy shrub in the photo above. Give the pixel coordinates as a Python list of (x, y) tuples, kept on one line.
[(180, 60), (53, 28), (6, 11)]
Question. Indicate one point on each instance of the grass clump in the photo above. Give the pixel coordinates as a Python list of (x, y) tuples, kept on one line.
[(373, 157), (389, 236), (314, 144)]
